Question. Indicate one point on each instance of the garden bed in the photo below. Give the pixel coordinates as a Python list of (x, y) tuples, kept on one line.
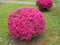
[(49, 37)]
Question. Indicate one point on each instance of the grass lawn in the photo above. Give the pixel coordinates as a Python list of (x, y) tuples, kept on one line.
[(55, 1), (34, 0), (27, 0), (51, 35)]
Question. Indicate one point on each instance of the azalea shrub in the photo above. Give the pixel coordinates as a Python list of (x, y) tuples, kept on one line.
[(25, 22), (44, 4)]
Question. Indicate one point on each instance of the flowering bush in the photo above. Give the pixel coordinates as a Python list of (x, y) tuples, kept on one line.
[(24, 23), (44, 4)]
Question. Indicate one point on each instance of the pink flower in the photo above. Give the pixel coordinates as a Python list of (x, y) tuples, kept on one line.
[(23, 23), (44, 4)]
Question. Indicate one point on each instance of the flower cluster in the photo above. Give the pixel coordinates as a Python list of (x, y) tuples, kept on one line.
[(26, 22), (44, 4)]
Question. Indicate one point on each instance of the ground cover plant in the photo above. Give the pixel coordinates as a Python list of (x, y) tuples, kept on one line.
[(44, 4), (26, 22)]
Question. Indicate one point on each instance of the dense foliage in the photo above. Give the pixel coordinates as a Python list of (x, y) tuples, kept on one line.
[(26, 22)]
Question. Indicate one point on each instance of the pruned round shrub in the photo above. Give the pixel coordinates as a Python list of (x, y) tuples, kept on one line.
[(25, 22), (44, 4)]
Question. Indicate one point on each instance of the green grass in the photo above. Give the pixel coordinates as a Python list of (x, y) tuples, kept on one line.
[(26, 0), (51, 35), (55, 1)]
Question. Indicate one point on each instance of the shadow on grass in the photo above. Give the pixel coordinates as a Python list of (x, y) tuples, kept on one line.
[(0, 2), (24, 42), (44, 9)]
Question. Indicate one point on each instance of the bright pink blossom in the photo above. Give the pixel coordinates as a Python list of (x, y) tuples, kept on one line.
[(24, 23), (44, 4)]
